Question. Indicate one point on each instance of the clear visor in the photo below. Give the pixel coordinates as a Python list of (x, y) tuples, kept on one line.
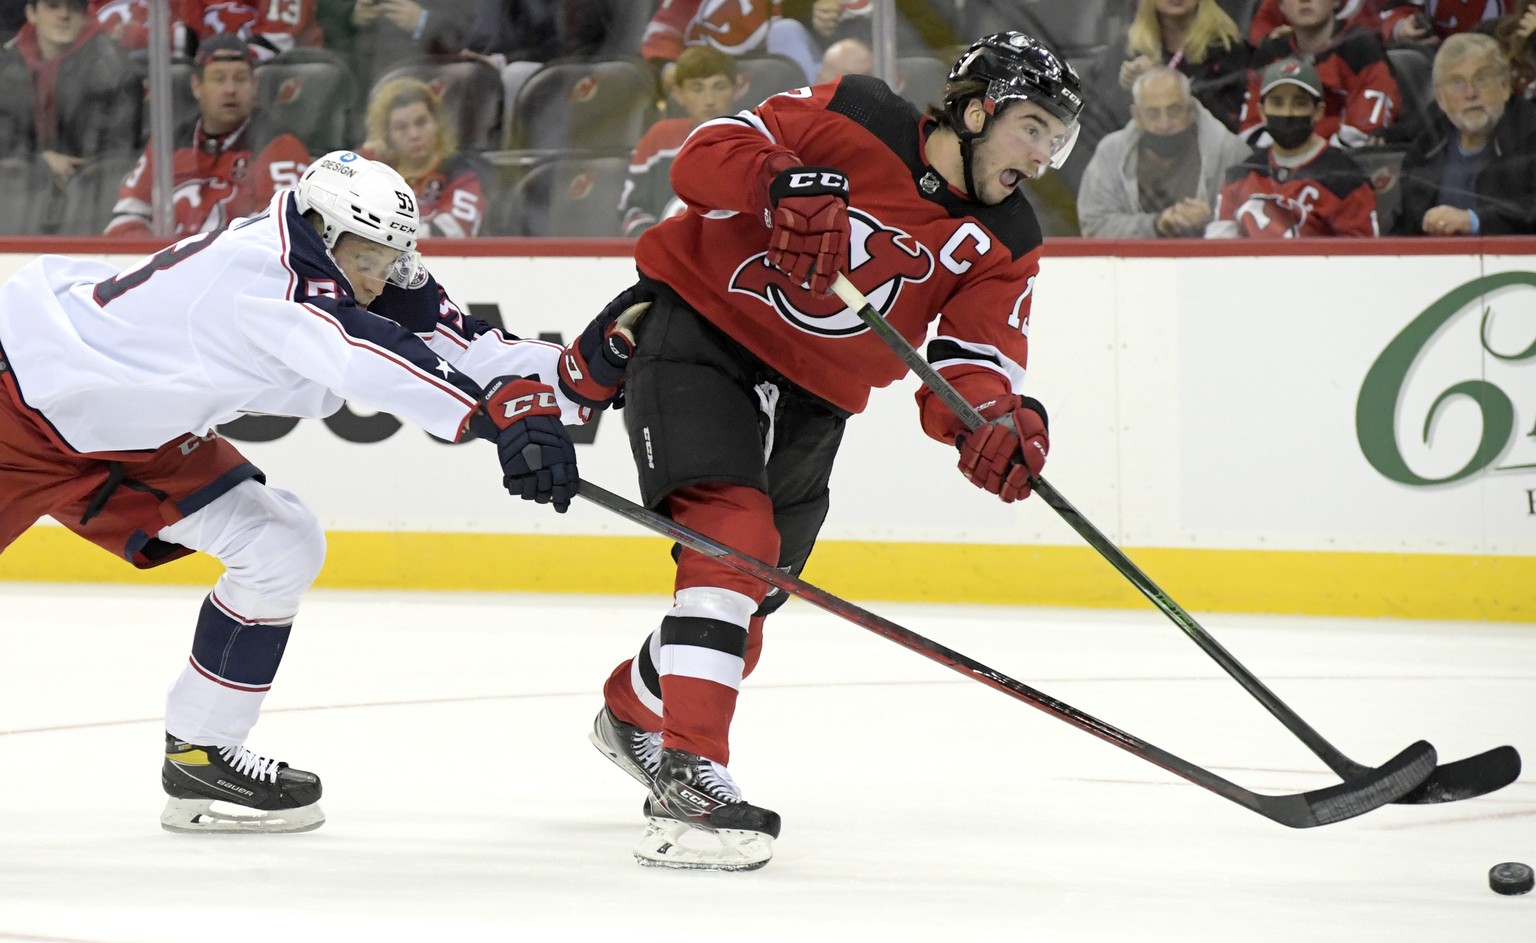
[(1005, 91)]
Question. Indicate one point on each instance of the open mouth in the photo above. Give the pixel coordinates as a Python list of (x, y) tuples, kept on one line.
[(1011, 178)]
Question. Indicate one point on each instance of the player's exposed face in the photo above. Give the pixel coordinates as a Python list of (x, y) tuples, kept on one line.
[(225, 93), (366, 265), (1473, 92), (1018, 147), (706, 98), (412, 132)]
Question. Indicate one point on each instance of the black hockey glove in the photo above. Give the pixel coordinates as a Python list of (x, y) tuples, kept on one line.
[(538, 459), (592, 368)]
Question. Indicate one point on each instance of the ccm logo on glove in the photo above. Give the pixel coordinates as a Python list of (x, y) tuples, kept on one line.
[(543, 401), (808, 215), (1006, 452)]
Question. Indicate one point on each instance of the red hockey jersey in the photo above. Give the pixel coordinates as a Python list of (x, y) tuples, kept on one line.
[(1447, 17), (277, 24), (216, 179), (735, 27), (919, 249), (1326, 194), (1359, 90)]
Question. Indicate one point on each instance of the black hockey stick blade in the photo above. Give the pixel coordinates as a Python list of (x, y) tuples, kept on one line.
[(1461, 779), (1356, 796)]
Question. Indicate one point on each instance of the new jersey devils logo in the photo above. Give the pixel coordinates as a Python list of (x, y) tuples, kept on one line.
[(880, 261)]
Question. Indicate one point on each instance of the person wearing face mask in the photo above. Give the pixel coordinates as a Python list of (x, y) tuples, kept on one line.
[(1301, 185), (1160, 174), (1473, 171), (113, 384)]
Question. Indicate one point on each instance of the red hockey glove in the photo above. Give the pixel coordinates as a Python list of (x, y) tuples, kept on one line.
[(808, 213), (1005, 453), (538, 460), (592, 368)]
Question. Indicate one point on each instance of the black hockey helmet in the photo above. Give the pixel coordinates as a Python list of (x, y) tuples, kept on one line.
[(1017, 67)]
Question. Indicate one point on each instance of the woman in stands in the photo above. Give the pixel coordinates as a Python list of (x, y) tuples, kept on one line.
[(407, 131)]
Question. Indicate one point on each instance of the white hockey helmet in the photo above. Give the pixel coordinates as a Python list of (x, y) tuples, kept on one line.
[(367, 198)]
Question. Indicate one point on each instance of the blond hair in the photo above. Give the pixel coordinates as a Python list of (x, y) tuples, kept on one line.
[(1211, 26), (399, 93)]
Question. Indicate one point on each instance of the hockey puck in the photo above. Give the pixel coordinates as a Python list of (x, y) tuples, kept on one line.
[(1511, 878)]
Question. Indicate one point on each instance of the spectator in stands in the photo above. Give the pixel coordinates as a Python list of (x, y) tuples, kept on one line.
[(72, 94), (1393, 20), (1361, 94), (271, 26), (921, 27), (739, 28), (127, 23), (1194, 36), (408, 131), (1300, 185), (846, 57), (1474, 171), (1160, 174), (228, 164), (705, 84), (1436, 20), (1516, 34), (387, 32)]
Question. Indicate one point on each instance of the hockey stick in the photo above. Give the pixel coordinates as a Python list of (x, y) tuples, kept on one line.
[(1462, 779), (1356, 796)]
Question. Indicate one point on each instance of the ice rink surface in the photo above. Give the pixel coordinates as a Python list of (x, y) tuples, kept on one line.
[(465, 803)]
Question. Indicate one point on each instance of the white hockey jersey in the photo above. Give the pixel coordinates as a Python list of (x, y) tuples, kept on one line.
[(256, 318)]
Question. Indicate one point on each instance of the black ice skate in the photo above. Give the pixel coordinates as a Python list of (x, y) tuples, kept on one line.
[(698, 819), (635, 751), (198, 777)]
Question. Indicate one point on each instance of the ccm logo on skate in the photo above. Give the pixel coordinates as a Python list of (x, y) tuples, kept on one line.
[(522, 404)]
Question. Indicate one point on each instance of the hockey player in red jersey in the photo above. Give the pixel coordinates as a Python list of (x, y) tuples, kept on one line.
[(1301, 185), (113, 384), (230, 162), (747, 370)]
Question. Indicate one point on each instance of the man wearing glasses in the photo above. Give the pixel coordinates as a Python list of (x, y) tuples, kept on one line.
[(1473, 173)]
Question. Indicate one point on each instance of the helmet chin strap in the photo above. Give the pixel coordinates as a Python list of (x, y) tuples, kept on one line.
[(967, 139)]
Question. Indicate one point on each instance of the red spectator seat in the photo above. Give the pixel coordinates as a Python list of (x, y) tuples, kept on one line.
[(584, 106), (311, 94)]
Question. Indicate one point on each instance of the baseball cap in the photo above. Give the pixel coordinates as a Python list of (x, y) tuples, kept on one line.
[(1291, 72), (223, 47)]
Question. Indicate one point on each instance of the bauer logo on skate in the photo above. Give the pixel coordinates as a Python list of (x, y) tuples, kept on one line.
[(880, 261)]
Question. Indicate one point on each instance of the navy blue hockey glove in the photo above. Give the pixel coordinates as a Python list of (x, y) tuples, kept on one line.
[(808, 213), (592, 368), (538, 459), (1008, 451)]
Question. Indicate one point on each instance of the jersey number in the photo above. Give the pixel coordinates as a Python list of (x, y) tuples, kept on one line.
[(164, 259)]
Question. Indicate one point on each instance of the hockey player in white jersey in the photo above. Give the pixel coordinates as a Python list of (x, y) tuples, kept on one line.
[(114, 381)]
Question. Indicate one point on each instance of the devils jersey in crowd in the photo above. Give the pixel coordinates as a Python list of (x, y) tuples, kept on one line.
[(1448, 17), (648, 196), (1320, 193), (734, 27), (450, 195), (919, 249), (215, 179), (278, 25), (1359, 90), (250, 319)]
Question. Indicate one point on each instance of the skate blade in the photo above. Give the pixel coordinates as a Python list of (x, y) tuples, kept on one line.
[(209, 816), (669, 843)]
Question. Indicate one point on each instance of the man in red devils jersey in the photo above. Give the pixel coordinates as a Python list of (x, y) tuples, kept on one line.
[(228, 164), (113, 384), (748, 368), (1301, 185)]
